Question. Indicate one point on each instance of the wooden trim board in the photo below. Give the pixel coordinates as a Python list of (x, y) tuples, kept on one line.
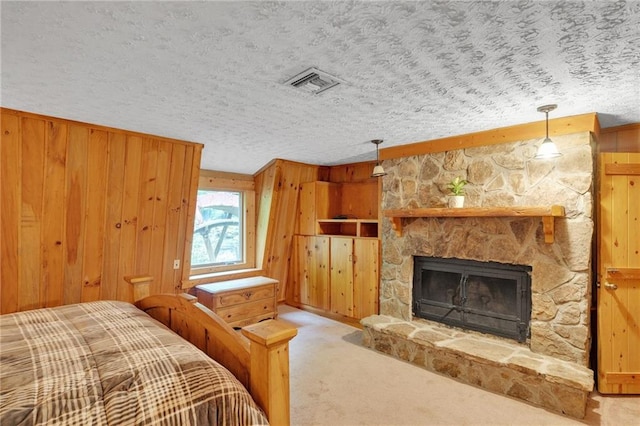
[(558, 126)]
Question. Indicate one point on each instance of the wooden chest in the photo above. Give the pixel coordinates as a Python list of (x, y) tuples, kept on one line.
[(241, 302)]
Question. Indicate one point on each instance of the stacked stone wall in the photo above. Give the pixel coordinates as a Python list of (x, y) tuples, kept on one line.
[(501, 175)]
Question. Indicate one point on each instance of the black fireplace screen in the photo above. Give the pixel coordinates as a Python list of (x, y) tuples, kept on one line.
[(484, 296)]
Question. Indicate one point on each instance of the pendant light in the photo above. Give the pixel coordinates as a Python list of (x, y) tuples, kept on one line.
[(378, 170), (547, 149)]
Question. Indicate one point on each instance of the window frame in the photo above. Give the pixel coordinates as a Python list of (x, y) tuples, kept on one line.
[(220, 181)]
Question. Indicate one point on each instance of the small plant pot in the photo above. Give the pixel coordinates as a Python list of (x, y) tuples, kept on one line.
[(456, 201)]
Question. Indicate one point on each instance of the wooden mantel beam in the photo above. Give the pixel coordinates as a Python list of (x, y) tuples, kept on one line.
[(547, 213), (557, 126)]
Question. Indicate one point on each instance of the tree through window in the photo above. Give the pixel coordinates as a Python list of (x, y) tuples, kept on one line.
[(218, 229)]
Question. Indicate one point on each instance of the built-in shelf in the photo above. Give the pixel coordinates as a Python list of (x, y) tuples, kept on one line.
[(546, 213), (349, 227)]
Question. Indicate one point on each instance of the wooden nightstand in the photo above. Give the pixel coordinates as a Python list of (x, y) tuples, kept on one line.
[(241, 302)]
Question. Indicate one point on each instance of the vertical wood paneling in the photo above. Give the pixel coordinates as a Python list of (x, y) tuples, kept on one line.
[(10, 157), (113, 219), (76, 187), (158, 229), (283, 227), (129, 231), (55, 208), (94, 235), (172, 220), (277, 190), (188, 209), (33, 142), (624, 138), (265, 193), (146, 207), (629, 139), (356, 172), (83, 206)]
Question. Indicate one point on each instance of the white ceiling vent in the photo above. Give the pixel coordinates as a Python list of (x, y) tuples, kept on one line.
[(313, 81)]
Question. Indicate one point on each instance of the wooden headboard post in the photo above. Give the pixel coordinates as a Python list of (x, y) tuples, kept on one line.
[(141, 285), (270, 367)]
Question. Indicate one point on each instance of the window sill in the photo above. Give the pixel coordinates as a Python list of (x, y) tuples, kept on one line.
[(214, 277)]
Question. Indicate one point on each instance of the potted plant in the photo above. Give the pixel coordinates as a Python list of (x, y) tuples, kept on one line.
[(457, 192)]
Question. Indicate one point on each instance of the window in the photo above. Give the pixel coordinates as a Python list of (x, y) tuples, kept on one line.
[(222, 231)]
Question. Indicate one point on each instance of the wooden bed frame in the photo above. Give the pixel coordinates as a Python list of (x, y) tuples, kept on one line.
[(259, 358)]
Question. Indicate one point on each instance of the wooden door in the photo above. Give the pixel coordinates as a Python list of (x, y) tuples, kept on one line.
[(342, 275), (619, 274), (365, 277)]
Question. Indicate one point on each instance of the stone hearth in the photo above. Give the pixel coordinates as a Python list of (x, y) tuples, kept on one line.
[(496, 365), (499, 176)]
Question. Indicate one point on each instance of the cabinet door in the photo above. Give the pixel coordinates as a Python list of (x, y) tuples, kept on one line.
[(365, 277), (318, 275), (297, 270), (318, 200), (342, 276), (310, 273)]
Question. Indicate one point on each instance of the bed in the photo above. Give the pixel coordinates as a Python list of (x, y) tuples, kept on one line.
[(110, 362)]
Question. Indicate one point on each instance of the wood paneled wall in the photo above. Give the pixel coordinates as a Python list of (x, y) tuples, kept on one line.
[(620, 139), (277, 189), (82, 206)]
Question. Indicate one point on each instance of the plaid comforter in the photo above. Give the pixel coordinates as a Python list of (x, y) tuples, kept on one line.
[(108, 363)]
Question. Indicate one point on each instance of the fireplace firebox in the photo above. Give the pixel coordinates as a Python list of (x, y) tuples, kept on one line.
[(489, 297)]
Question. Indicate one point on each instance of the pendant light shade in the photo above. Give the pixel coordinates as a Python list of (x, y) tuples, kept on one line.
[(547, 149), (378, 170)]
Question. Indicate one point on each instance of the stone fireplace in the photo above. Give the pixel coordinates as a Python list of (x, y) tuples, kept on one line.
[(552, 361)]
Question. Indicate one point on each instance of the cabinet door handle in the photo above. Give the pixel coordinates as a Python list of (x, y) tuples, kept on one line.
[(610, 286), (247, 295)]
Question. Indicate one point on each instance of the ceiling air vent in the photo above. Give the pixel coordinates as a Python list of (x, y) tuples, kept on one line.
[(313, 81)]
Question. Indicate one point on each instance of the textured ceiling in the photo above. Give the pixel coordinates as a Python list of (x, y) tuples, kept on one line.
[(212, 72)]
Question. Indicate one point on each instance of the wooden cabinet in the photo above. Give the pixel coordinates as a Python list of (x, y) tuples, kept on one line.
[(328, 208), (354, 276), (335, 261), (352, 227), (342, 276), (241, 302), (317, 200), (310, 271), (336, 274), (366, 276)]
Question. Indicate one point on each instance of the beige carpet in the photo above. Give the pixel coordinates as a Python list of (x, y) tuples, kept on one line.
[(336, 381)]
